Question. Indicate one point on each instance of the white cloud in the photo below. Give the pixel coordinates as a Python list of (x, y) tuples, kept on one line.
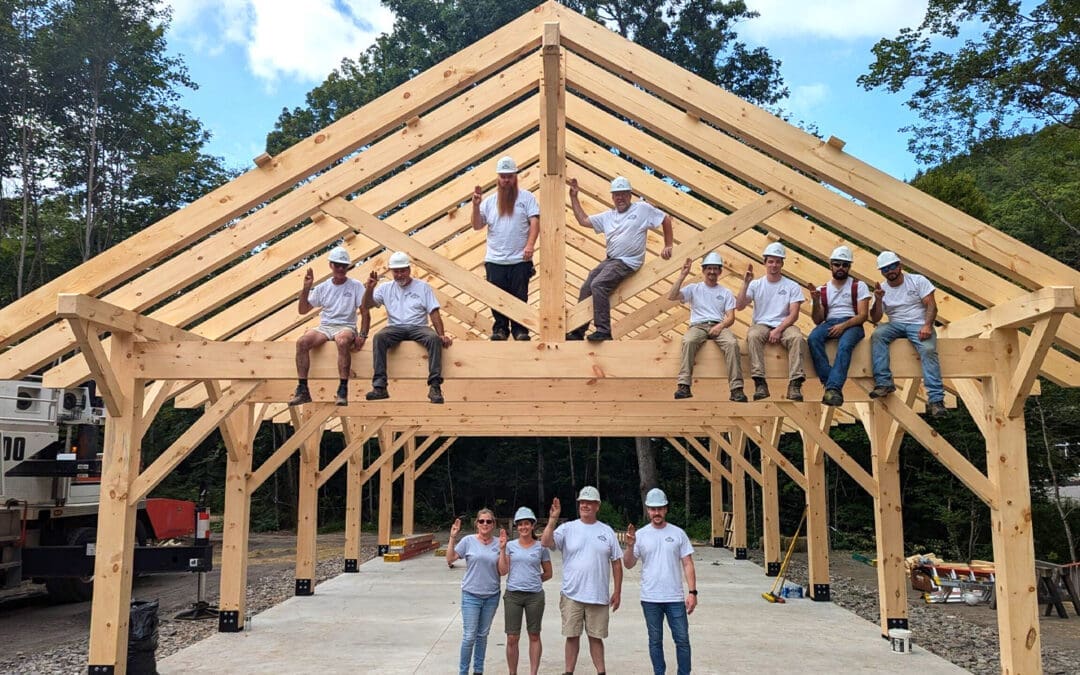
[(283, 38), (837, 19), (806, 97)]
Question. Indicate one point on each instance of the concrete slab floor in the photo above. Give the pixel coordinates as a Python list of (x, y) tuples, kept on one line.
[(404, 618)]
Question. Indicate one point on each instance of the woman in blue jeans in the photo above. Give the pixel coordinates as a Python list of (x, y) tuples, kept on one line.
[(479, 588)]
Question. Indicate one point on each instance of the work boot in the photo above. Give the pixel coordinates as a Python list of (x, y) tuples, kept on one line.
[(599, 336), (683, 391), (434, 394), (301, 396), (833, 397), (522, 336), (377, 394), (761, 388), (499, 335), (738, 395), (882, 390), (794, 389), (576, 334), (936, 409), (342, 397)]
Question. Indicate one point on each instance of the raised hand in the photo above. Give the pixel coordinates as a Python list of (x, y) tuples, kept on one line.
[(686, 266), (879, 292), (502, 539), (749, 275), (372, 280), (631, 535), (573, 187), (477, 196), (309, 279), (455, 528), (556, 509), (815, 291)]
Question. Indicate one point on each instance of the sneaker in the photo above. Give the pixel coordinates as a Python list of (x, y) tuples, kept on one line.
[(936, 409), (342, 397), (301, 396), (574, 335), (522, 336), (761, 388), (794, 390), (683, 391), (882, 390), (833, 397), (738, 395), (499, 335), (599, 336), (434, 394), (377, 394)]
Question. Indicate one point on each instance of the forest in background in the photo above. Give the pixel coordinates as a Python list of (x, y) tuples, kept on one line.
[(94, 147)]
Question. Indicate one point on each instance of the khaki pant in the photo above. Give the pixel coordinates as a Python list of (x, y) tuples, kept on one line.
[(792, 339), (695, 336)]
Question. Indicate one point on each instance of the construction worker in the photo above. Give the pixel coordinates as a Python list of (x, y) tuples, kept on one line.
[(908, 299), (512, 217), (840, 308), (776, 302), (588, 547), (409, 304), (666, 557), (712, 313), (479, 587), (527, 565), (625, 229), (339, 297)]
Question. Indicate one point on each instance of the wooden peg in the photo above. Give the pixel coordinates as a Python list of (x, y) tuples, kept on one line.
[(835, 143), (413, 121), (317, 216), (263, 160)]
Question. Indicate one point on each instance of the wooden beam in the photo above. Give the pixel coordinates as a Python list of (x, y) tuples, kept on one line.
[(737, 457), (822, 439), (311, 425), (435, 455), (681, 449), (1027, 367), (116, 319), (552, 273), (108, 386), (767, 449), (355, 445), (1020, 311), (414, 455)]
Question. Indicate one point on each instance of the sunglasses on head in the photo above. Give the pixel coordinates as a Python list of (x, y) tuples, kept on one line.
[(840, 263), (485, 521), (890, 268)]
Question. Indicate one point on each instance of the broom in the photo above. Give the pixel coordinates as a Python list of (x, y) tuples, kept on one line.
[(771, 596)]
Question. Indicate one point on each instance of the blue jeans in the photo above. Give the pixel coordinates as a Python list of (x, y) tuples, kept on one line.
[(476, 615), (834, 376), (680, 632), (883, 336)]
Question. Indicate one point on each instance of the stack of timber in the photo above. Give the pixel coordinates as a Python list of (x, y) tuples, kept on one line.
[(943, 581), (403, 548)]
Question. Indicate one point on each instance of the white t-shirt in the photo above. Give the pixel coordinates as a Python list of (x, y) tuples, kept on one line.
[(507, 235), (772, 301), (661, 551), (481, 565), (707, 304), (525, 566), (408, 306), (626, 232), (338, 301), (838, 300), (903, 303), (588, 551)]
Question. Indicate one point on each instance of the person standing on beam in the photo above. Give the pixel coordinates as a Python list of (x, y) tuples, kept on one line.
[(512, 217), (339, 297), (625, 228), (776, 302), (840, 309)]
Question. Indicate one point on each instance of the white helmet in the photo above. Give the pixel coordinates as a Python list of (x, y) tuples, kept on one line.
[(620, 184), (506, 165), (399, 260), (656, 498), (775, 249), (524, 513), (340, 255), (588, 494), (887, 258), (842, 253), (712, 258)]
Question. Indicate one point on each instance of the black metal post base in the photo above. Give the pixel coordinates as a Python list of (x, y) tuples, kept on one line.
[(772, 569), (351, 566), (718, 542), (101, 670), (896, 623), (821, 593), (383, 549), (229, 621), (304, 587), (740, 554)]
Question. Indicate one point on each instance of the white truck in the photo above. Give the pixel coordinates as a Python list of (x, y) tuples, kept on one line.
[(50, 474)]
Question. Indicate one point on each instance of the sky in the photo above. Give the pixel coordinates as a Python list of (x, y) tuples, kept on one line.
[(253, 58)]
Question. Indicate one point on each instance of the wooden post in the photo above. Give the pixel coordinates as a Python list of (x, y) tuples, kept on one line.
[(817, 519), (716, 497), (888, 520), (232, 600), (354, 489), (408, 491), (770, 504), (307, 513), (114, 551), (552, 187), (386, 491), (738, 498)]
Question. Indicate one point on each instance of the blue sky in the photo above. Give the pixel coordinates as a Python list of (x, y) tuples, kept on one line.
[(252, 58)]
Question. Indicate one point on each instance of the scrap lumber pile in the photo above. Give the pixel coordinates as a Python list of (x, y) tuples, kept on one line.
[(942, 581)]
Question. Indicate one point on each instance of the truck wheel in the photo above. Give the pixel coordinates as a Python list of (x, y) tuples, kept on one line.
[(73, 589)]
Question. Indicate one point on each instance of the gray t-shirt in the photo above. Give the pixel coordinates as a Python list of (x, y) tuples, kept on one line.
[(626, 232), (661, 551), (525, 566), (588, 551), (507, 235), (338, 301), (482, 565), (408, 306), (707, 304)]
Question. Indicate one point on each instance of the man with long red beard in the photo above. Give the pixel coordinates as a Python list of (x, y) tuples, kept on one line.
[(512, 217)]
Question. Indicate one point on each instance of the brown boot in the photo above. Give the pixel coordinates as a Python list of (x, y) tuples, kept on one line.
[(683, 391), (761, 388), (794, 389)]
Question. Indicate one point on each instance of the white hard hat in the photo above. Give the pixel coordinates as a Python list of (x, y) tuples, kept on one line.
[(887, 258), (524, 513), (399, 260), (842, 253), (588, 494), (712, 258), (340, 255), (620, 184), (776, 250), (656, 498), (506, 165)]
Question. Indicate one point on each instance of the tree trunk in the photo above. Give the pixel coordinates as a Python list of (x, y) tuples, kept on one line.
[(646, 461)]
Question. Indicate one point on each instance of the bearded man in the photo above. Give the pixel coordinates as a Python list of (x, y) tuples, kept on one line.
[(512, 217)]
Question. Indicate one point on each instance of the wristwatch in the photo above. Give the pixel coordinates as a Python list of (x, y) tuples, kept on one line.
[(694, 592)]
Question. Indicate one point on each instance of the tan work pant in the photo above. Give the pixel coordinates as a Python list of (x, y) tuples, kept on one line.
[(695, 336), (792, 339)]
